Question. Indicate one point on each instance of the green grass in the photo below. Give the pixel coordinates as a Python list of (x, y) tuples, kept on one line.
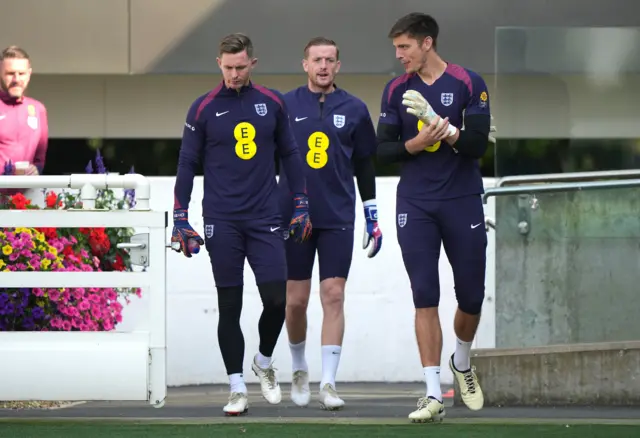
[(128, 430)]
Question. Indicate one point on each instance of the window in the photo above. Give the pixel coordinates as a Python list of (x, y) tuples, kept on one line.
[(537, 156), (150, 157), (159, 157)]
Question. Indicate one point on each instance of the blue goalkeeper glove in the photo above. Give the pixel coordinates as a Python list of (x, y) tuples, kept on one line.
[(184, 238), (372, 233), (300, 226)]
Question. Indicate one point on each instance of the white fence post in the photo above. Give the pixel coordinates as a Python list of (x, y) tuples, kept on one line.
[(83, 366)]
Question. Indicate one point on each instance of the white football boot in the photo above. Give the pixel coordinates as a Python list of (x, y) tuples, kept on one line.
[(329, 399), (300, 392), (268, 383), (470, 390), (429, 410), (238, 404)]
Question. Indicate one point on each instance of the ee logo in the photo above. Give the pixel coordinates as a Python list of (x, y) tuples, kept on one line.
[(433, 147), (245, 134), (317, 156)]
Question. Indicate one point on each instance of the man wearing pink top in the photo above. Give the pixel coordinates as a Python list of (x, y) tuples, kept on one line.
[(24, 131)]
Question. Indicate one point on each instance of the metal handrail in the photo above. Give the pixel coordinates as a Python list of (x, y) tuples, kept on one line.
[(568, 177), (562, 187)]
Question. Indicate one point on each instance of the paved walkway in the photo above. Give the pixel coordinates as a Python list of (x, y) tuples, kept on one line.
[(365, 403)]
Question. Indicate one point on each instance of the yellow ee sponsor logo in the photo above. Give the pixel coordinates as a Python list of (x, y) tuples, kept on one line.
[(245, 134), (433, 147), (484, 96), (317, 156)]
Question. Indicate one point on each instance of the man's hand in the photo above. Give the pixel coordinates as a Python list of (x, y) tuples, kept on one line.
[(32, 170), (372, 233), (431, 133), (183, 233), (418, 106), (300, 226)]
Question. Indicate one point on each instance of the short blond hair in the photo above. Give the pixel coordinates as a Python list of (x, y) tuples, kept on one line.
[(321, 41), (14, 52)]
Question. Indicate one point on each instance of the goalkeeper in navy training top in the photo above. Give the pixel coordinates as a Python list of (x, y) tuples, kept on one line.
[(439, 196), (234, 132), (338, 140)]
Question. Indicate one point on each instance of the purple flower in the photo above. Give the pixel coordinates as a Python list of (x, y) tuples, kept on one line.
[(89, 167), (100, 163), (9, 168), (28, 323), (130, 194), (37, 313)]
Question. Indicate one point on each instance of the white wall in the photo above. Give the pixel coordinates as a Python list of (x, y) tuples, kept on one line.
[(379, 343)]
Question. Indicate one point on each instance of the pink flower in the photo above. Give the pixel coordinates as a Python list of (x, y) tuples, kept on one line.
[(66, 326), (116, 306), (54, 294), (96, 312)]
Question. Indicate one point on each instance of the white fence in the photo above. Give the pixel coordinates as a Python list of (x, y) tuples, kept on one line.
[(129, 363), (74, 366)]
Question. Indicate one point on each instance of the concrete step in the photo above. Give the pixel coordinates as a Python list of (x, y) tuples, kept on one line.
[(598, 374)]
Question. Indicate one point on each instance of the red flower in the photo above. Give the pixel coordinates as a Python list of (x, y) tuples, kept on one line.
[(20, 202), (99, 241), (49, 233), (51, 199), (118, 264)]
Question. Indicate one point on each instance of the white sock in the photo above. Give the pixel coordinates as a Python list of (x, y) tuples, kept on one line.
[(432, 377), (236, 383), (263, 361), (461, 359), (299, 362), (330, 362)]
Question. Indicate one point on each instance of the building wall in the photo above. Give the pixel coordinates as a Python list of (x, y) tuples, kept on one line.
[(154, 106), (164, 36)]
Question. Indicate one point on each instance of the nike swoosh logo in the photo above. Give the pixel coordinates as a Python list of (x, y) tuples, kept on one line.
[(301, 119), (476, 226), (221, 114), (274, 228)]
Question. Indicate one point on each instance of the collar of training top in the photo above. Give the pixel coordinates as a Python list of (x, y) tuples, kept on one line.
[(320, 94), (231, 91)]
